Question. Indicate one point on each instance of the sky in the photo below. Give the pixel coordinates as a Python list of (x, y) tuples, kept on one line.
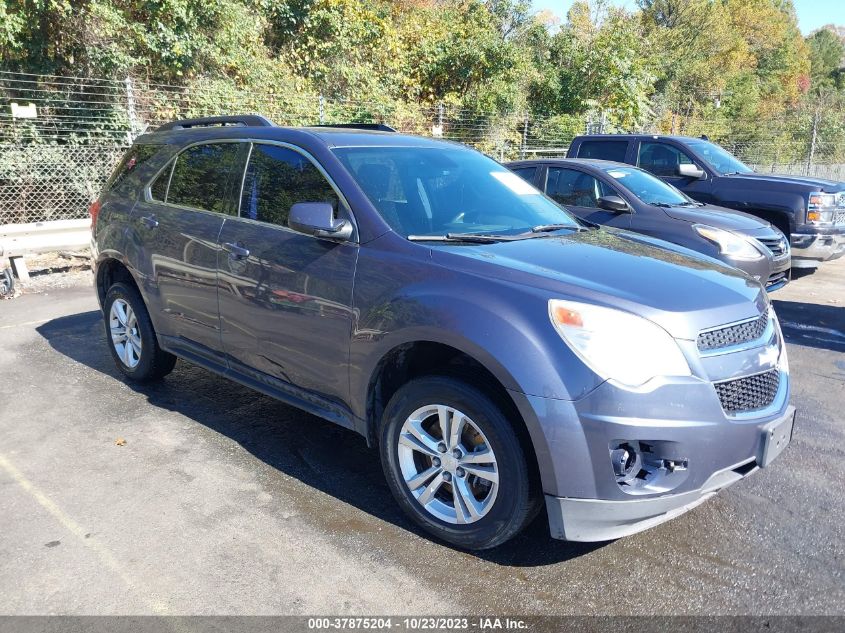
[(811, 13)]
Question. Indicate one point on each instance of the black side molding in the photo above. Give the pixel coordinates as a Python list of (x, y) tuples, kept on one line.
[(241, 120)]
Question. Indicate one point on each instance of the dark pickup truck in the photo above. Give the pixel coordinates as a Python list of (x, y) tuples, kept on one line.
[(810, 210)]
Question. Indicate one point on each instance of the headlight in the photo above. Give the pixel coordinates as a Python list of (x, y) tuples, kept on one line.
[(820, 207), (617, 345), (730, 244)]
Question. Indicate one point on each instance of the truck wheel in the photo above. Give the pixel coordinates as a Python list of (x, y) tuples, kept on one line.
[(132, 340), (455, 464)]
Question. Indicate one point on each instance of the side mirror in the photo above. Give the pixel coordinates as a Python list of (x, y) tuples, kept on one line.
[(613, 203), (691, 171), (317, 219)]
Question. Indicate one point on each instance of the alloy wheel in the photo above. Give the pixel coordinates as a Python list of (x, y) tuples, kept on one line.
[(125, 335), (448, 464)]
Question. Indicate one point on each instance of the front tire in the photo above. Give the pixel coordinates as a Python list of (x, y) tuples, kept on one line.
[(131, 338), (455, 464)]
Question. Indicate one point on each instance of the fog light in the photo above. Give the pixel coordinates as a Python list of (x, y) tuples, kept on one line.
[(627, 463)]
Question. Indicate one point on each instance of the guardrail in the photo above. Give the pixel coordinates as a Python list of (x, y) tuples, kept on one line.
[(17, 240)]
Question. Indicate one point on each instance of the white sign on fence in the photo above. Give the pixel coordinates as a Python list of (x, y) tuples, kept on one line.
[(28, 111)]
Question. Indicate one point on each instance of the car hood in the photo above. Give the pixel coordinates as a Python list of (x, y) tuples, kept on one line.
[(719, 217), (809, 183), (676, 288)]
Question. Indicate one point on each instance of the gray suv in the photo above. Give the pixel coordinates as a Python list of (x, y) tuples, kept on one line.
[(500, 354)]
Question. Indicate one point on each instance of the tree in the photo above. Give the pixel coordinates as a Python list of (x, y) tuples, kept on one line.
[(827, 52)]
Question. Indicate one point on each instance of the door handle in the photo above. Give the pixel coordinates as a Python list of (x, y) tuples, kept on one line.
[(149, 221), (235, 251)]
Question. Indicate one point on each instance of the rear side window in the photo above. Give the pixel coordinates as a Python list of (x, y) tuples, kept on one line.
[(526, 173), (201, 176), (604, 150), (276, 179), (132, 160), (158, 190), (662, 159), (574, 188)]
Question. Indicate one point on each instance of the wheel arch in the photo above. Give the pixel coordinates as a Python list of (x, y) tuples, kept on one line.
[(415, 358)]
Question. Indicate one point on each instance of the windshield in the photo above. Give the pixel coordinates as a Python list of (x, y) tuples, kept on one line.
[(720, 159), (436, 191), (650, 189)]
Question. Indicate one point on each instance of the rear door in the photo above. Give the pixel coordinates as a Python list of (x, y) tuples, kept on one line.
[(579, 192), (177, 225), (285, 297)]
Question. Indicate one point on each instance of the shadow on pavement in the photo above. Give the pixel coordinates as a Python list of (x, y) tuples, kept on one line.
[(322, 455), (812, 324)]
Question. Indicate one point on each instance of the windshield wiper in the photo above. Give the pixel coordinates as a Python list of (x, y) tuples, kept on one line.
[(548, 228), (458, 237)]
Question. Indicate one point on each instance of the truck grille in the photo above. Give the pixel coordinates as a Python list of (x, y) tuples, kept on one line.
[(750, 393), (840, 217), (731, 335), (777, 245)]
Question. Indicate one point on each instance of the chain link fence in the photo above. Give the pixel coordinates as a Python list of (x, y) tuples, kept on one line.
[(61, 136)]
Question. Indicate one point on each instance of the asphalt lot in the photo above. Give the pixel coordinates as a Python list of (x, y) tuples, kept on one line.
[(223, 501)]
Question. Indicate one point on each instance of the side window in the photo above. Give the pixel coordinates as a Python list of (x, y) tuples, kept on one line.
[(526, 173), (574, 188), (277, 178), (201, 176), (662, 159), (605, 150), (158, 190), (132, 160)]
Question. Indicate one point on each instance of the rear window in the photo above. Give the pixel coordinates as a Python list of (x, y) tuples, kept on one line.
[(201, 176), (604, 150), (132, 160)]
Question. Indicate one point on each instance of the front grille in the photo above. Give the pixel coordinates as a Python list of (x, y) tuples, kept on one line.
[(731, 335), (840, 217), (777, 245), (750, 393)]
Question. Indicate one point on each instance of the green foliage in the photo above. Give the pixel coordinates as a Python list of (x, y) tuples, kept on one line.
[(730, 66)]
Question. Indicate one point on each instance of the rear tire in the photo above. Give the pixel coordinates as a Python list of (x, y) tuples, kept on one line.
[(455, 464), (131, 338)]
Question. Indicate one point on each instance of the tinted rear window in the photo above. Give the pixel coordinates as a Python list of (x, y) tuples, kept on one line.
[(526, 173), (604, 150), (200, 176), (132, 160)]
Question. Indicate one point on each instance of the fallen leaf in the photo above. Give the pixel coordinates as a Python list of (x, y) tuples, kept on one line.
[(120, 441)]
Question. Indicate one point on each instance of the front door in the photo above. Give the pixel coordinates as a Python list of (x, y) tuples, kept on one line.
[(285, 298), (579, 192), (176, 227), (663, 160)]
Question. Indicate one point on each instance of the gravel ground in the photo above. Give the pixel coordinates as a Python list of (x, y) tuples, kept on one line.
[(197, 496)]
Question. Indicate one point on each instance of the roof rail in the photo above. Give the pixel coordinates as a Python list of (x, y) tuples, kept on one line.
[(378, 127), (244, 120)]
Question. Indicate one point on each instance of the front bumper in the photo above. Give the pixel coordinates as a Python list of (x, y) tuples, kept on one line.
[(810, 249), (575, 519)]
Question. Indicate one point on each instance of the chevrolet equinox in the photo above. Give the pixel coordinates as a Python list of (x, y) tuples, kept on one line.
[(500, 354)]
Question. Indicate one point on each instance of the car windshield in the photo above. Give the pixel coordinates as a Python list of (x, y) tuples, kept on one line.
[(650, 189), (441, 191), (720, 159)]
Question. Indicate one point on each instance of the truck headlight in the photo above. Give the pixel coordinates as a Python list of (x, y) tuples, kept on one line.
[(820, 207), (730, 244), (617, 345)]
